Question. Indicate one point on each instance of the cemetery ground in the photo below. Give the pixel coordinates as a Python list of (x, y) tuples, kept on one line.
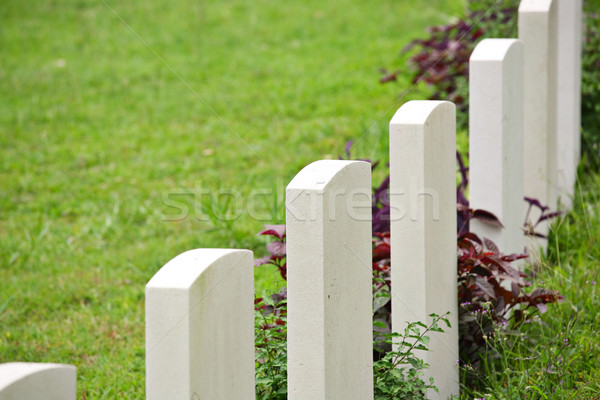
[(557, 357), (110, 112)]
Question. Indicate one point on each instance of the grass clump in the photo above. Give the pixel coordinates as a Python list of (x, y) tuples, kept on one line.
[(557, 354)]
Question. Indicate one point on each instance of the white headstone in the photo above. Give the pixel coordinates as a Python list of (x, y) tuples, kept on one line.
[(570, 17), (37, 381), (538, 30), (423, 230), (496, 140), (328, 227), (200, 327)]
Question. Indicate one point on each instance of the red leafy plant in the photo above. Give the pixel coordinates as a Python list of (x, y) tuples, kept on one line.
[(544, 215), (441, 61), (276, 249), (491, 294)]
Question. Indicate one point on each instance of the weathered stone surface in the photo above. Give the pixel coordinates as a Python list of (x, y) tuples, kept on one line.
[(570, 27), (37, 381), (423, 230), (496, 140), (200, 327), (330, 338), (538, 30)]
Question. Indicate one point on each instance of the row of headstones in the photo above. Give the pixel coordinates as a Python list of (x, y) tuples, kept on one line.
[(199, 306), (524, 139), (524, 119), (515, 150)]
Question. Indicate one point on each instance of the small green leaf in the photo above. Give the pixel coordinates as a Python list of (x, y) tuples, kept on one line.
[(379, 324), (414, 362)]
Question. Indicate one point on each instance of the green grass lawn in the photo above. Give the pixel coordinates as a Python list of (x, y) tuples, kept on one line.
[(112, 111), (558, 355), (108, 107)]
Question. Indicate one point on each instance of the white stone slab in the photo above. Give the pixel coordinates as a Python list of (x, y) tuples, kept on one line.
[(200, 327), (538, 30), (328, 227), (570, 17), (496, 140), (37, 381), (423, 230)]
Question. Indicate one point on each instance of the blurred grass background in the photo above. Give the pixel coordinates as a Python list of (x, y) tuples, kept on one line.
[(110, 111)]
